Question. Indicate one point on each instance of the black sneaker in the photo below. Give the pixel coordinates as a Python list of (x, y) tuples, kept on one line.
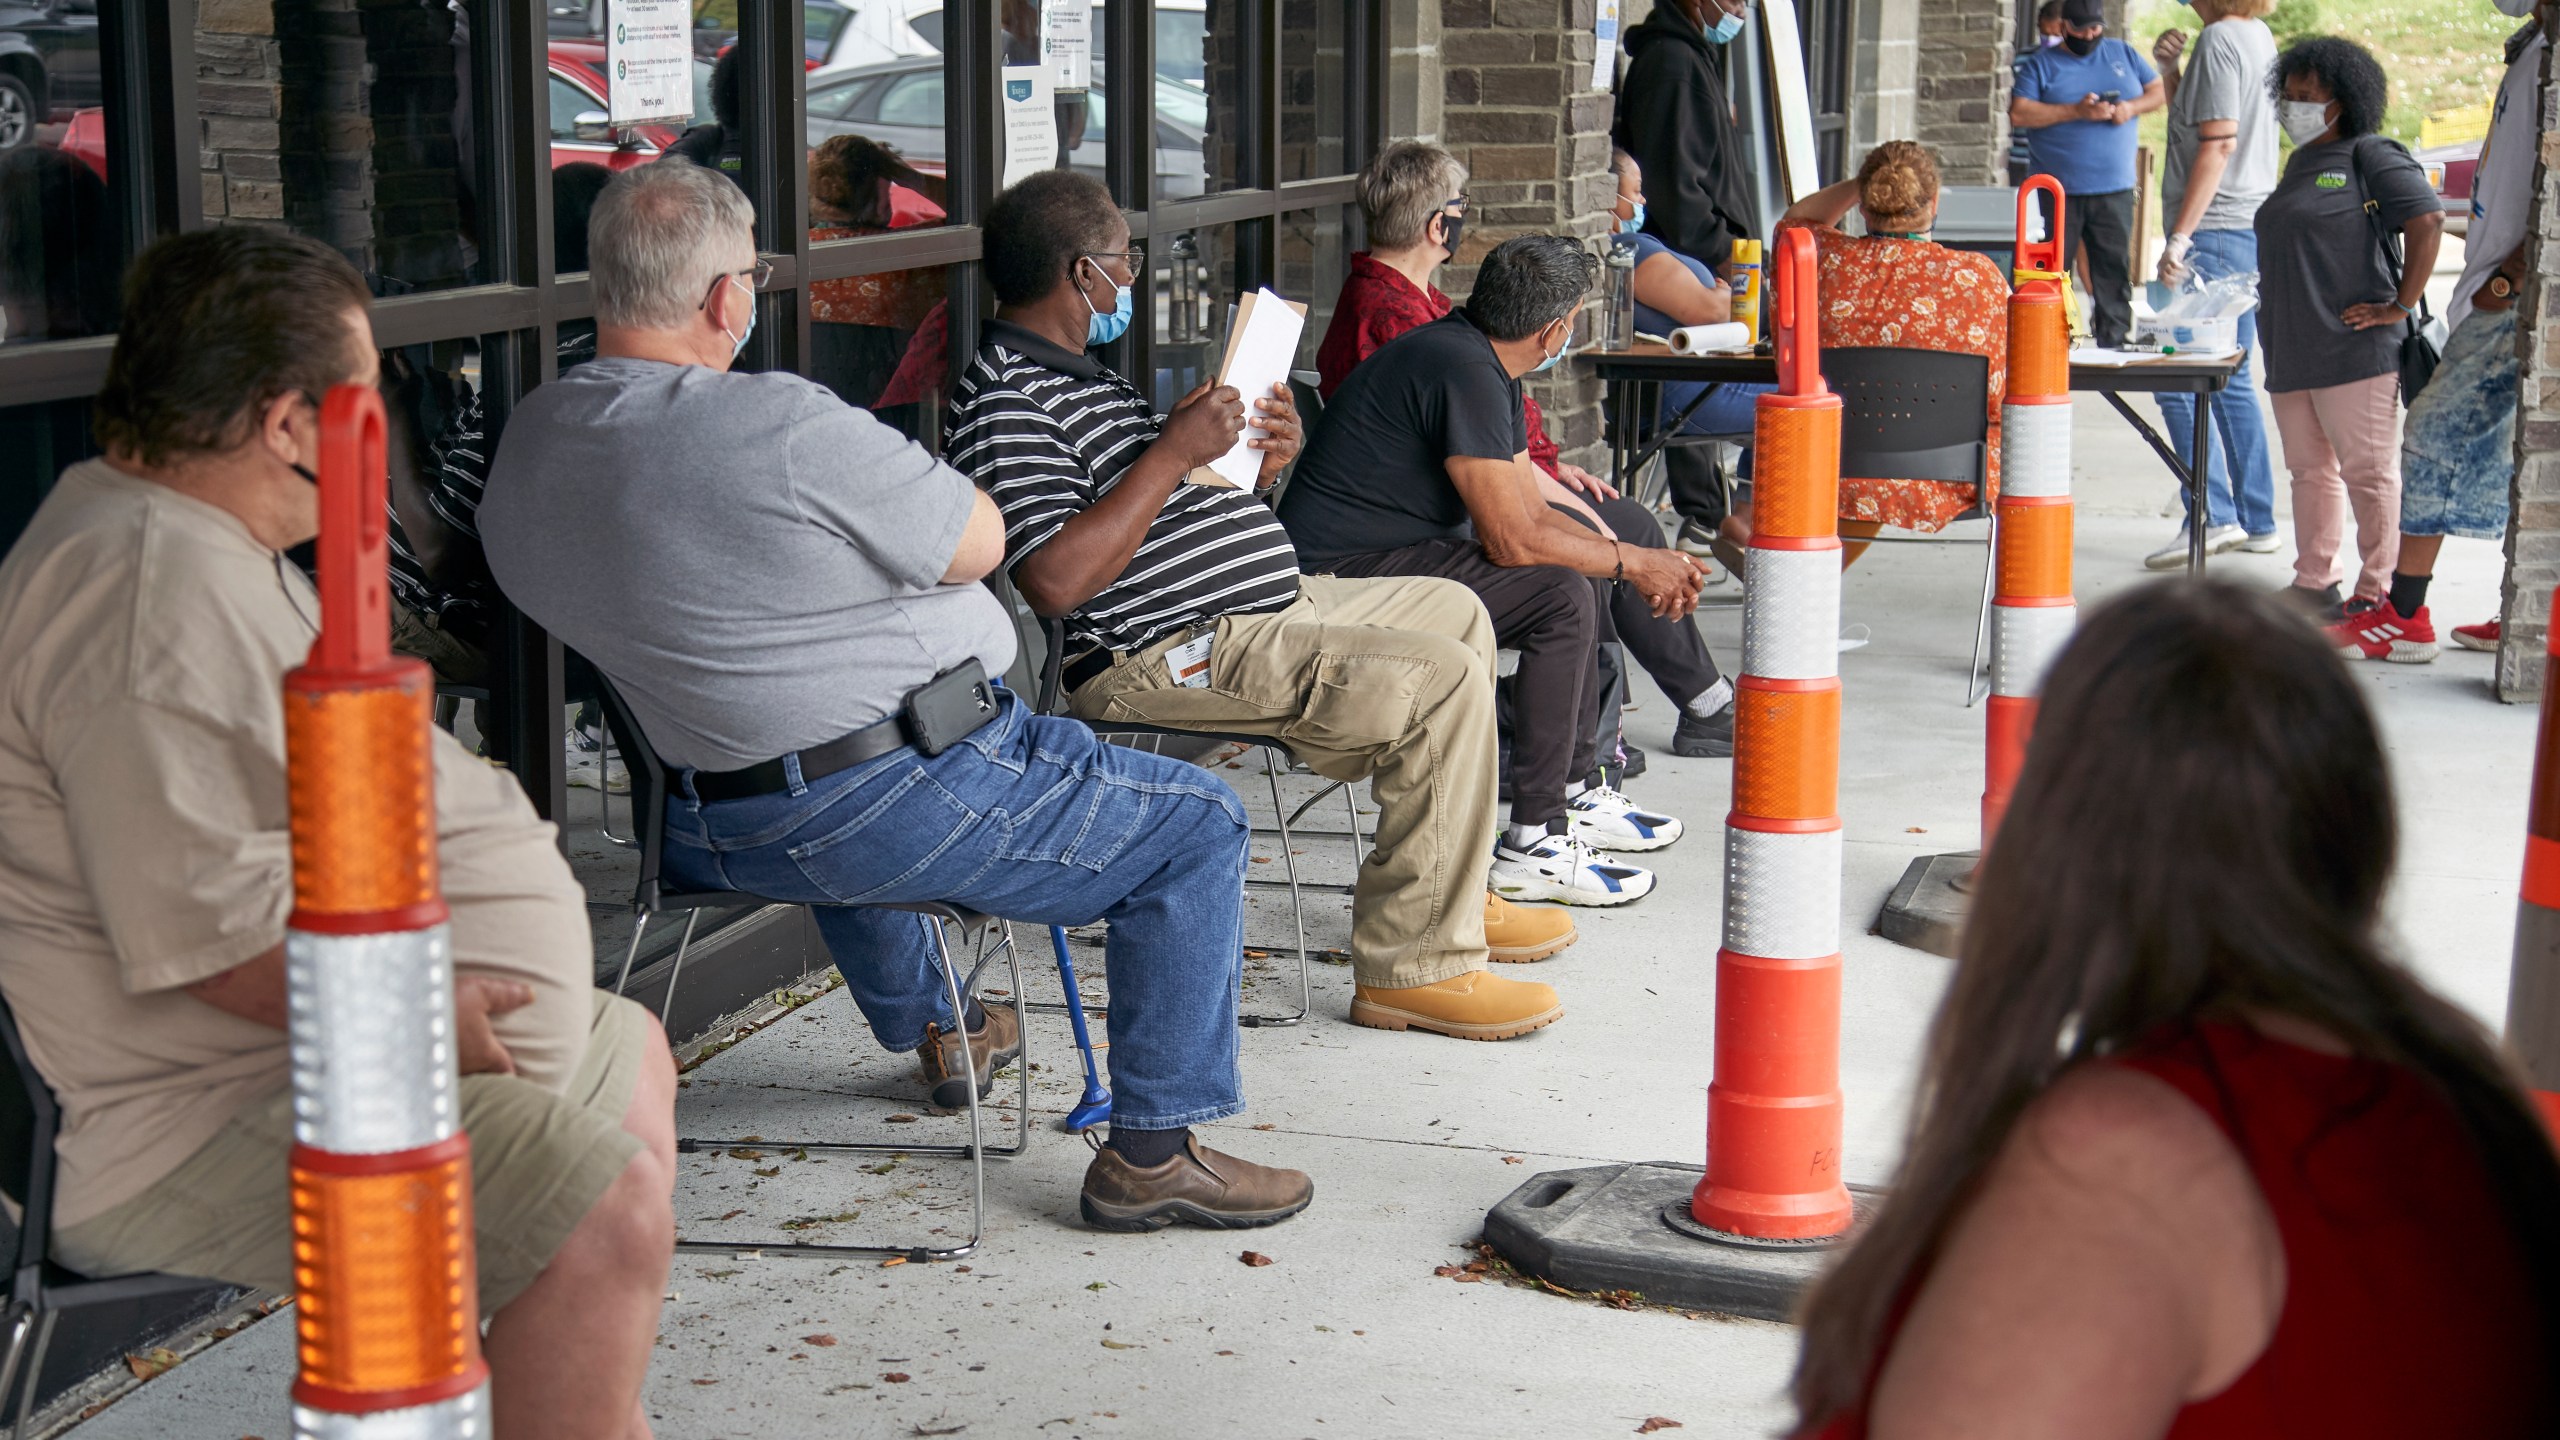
[(1634, 762), (1703, 738), (2323, 605)]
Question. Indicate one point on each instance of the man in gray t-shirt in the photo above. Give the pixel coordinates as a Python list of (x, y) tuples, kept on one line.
[(2221, 164), (768, 575)]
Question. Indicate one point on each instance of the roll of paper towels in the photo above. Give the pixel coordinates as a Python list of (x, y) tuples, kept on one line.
[(1700, 339)]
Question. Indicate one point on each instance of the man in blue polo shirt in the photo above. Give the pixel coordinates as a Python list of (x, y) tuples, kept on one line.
[(2077, 101)]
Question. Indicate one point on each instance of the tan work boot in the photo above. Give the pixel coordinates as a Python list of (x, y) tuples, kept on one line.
[(1197, 1187), (992, 1047), (1473, 1006), (1521, 932)]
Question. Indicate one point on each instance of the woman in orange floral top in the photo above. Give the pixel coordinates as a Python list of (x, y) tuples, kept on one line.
[(1893, 286), (861, 324)]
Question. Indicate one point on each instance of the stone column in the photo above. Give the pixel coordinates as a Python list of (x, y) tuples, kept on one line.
[(1963, 109), (1884, 60), (1519, 109), (2533, 523), (239, 111)]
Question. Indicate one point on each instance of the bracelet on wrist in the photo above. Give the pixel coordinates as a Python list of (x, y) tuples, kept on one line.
[(1617, 549)]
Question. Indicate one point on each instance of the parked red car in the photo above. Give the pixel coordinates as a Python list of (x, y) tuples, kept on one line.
[(578, 86)]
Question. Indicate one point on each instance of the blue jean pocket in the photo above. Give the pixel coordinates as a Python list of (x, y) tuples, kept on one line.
[(889, 843), (1085, 819)]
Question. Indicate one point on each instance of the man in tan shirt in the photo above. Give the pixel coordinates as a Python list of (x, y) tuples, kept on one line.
[(147, 618)]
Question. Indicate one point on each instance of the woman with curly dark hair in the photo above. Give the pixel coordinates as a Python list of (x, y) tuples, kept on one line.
[(2333, 307), (2192, 1156)]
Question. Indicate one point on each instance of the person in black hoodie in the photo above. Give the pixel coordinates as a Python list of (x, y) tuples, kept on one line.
[(1675, 119)]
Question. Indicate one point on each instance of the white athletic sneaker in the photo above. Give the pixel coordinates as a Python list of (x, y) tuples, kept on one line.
[(1563, 869), (1607, 820), (2173, 556), (592, 769)]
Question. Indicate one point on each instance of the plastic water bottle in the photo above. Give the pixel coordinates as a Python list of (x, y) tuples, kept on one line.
[(1618, 297)]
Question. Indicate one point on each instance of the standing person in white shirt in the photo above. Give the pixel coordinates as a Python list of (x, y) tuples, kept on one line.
[(2457, 448), (2221, 163)]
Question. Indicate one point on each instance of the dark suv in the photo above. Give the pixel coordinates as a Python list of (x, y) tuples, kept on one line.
[(48, 64)]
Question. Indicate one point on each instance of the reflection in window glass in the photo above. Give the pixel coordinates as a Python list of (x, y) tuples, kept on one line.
[(37, 443), (1313, 260), (1200, 140), (1030, 33), (59, 248), (580, 79), (1314, 35), (883, 342), (1194, 276)]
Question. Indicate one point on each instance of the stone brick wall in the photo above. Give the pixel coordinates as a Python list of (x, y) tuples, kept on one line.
[(2533, 525), (1962, 109), (1884, 91), (335, 118), (1518, 108)]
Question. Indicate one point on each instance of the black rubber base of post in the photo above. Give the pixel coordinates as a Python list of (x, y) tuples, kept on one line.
[(1619, 1227), (1926, 910)]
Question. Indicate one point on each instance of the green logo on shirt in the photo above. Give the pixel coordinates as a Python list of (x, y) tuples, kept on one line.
[(2332, 180)]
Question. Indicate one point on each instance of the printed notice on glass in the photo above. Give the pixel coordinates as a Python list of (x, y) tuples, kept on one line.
[(649, 62), (1066, 39), (1604, 47), (1030, 123)]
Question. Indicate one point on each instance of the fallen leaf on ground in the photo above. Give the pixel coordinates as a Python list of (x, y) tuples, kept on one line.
[(1266, 1127), (893, 1261), (1226, 1352), (897, 1377), (769, 1174), (1099, 1285), (1445, 1271), (1908, 830), (1111, 1344), (745, 1154), (732, 1215), (821, 1341), (924, 1429), (1255, 1258), (1657, 1422), (902, 1119), (158, 1360), (1512, 1160), (706, 1382)]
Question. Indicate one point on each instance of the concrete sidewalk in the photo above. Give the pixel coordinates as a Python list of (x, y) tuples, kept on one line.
[(1056, 1331)]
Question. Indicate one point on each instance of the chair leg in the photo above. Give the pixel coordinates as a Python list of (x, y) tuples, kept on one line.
[(639, 927), (34, 1375), (1982, 622), (1297, 905), (976, 1151), (1359, 843), (13, 1349), (684, 942)]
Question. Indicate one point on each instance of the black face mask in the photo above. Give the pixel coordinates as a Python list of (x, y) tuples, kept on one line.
[(2081, 44), (1451, 227)]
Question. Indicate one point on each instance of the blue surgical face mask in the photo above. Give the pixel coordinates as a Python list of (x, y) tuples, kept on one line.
[(738, 342), (1550, 362), (1102, 329), (1633, 224), (1725, 28)]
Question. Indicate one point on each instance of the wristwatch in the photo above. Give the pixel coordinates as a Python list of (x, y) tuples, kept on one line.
[(2500, 286)]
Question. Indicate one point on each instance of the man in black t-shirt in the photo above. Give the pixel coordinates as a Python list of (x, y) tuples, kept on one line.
[(1421, 467)]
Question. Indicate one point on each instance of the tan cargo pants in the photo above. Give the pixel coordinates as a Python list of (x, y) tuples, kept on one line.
[(1387, 680)]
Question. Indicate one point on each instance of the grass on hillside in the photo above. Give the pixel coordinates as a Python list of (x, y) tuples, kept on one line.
[(2439, 54)]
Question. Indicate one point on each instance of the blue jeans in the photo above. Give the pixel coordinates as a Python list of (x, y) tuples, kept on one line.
[(1034, 820), (2457, 450), (1731, 410), (2236, 421)]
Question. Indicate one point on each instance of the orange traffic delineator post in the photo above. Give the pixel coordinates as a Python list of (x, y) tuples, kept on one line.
[(2533, 986), (387, 1296), (2032, 609), (1773, 1111), (1746, 1232)]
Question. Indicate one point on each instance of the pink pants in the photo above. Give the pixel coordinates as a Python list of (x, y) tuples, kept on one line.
[(2342, 444)]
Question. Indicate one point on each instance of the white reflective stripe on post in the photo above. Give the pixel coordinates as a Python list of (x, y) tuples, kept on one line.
[(1791, 614), (385, 1005), (2024, 641), (464, 1417), (2035, 450), (1782, 893)]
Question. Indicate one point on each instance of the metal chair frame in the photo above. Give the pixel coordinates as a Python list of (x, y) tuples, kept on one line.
[(985, 935), (40, 1290)]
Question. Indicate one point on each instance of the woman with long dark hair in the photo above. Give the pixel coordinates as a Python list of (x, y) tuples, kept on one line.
[(2191, 1155)]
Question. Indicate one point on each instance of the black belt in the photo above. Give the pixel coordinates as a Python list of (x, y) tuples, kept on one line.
[(1075, 672), (843, 753)]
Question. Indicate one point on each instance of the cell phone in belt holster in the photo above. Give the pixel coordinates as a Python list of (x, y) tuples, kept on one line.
[(949, 708)]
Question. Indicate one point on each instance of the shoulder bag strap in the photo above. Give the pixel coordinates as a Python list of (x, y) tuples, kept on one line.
[(2384, 235)]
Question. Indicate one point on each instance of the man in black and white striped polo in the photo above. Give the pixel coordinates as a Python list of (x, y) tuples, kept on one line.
[(1184, 607)]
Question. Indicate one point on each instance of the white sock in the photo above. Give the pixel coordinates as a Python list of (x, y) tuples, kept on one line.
[(1574, 790), (1517, 836), (1712, 699)]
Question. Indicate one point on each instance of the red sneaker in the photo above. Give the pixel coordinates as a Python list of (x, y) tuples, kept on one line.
[(2383, 633), (2477, 637)]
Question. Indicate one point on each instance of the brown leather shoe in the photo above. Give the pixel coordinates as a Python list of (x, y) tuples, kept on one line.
[(1475, 1006), (992, 1047), (1197, 1187)]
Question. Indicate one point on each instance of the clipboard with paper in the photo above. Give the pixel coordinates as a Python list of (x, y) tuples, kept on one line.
[(1261, 342)]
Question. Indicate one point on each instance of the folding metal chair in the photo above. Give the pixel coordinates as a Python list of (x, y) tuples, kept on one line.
[(985, 935), (40, 1291)]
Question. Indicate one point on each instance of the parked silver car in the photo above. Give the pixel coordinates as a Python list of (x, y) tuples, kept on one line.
[(900, 104)]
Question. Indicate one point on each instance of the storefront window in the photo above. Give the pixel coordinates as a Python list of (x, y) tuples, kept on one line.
[(883, 342), (1314, 36), (700, 118), (1194, 276), (1314, 257), (37, 443), (1202, 136), (60, 250)]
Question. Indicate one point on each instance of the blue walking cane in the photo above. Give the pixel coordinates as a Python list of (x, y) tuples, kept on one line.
[(1095, 1107)]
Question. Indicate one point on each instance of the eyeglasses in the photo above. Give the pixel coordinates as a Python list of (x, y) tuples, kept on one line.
[(1133, 260), (762, 270), (1457, 203)]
